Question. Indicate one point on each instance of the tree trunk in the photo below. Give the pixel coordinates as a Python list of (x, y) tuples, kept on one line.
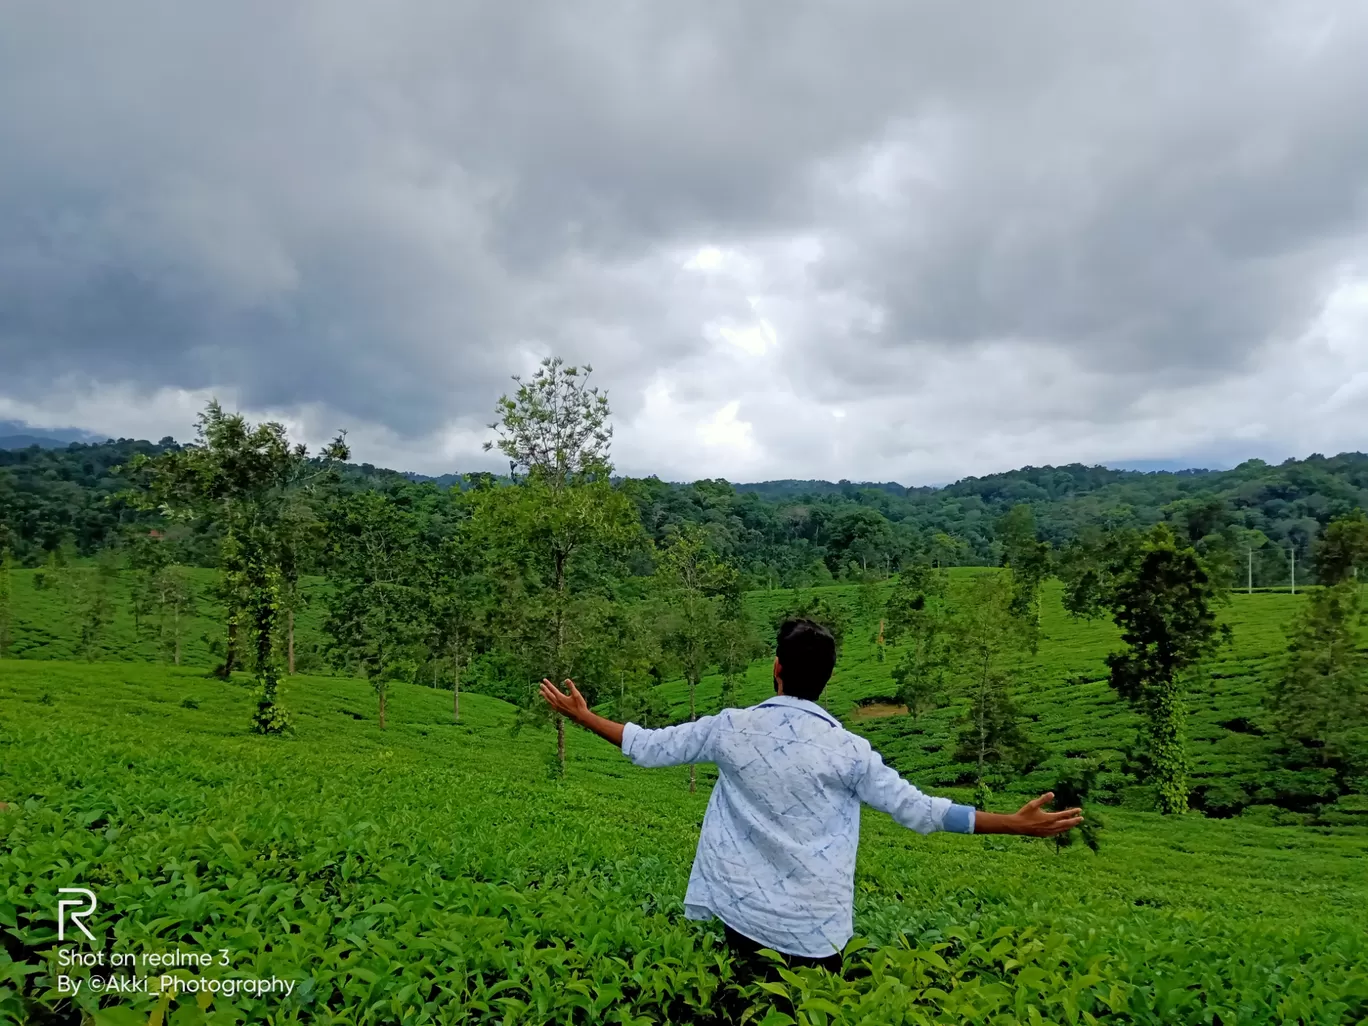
[(381, 694), (456, 692), (290, 631), (693, 770), (560, 653), (1167, 748)]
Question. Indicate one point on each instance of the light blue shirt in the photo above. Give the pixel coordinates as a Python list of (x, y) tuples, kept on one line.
[(776, 857)]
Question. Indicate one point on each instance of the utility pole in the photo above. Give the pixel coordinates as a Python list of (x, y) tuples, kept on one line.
[(1251, 571), (1293, 550)]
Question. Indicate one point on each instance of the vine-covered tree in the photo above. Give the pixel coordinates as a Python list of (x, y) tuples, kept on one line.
[(1164, 600), (243, 479)]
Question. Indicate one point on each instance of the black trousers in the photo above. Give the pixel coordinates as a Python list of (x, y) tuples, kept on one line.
[(747, 951)]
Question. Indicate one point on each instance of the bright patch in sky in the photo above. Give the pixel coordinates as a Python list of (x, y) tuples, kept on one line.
[(724, 430)]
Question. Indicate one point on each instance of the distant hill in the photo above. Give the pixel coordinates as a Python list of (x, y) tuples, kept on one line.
[(16, 434), (25, 441)]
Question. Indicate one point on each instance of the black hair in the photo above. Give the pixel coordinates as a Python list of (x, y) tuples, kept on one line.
[(807, 655)]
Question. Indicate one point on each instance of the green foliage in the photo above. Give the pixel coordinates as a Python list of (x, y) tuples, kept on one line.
[(1320, 700), (915, 617), (433, 875), (826, 610), (1075, 782), (1027, 559), (986, 643), (1343, 549), (6, 602)]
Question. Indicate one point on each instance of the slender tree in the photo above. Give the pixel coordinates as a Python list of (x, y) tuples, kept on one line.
[(6, 602), (562, 519), (375, 620), (175, 605), (915, 621), (1027, 559), (688, 577), (989, 642), (457, 605), (1320, 699), (738, 642)]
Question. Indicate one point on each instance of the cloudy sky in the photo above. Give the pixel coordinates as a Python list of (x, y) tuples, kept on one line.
[(876, 240)]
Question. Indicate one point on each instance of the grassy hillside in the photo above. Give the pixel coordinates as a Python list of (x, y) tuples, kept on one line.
[(45, 626), (1237, 768), (1073, 712), (435, 873)]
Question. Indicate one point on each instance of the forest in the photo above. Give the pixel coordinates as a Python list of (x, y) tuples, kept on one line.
[(778, 532)]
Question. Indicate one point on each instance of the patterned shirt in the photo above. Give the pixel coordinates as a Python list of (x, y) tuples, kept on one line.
[(776, 856)]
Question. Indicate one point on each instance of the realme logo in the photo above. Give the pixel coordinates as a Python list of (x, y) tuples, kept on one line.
[(64, 904)]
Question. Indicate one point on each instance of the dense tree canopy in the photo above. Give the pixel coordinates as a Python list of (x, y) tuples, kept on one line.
[(1245, 522)]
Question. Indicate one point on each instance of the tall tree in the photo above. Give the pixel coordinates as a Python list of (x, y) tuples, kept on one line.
[(1027, 558), (457, 605), (87, 593), (375, 608), (1164, 600), (1321, 697), (1342, 550), (915, 620), (562, 519), (6, 602), (688, 576), (738, 642), (243, 479), (989, 642), (175, 605), (146, 558)]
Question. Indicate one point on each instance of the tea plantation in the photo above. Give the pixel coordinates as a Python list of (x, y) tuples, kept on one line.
[(436, 873)]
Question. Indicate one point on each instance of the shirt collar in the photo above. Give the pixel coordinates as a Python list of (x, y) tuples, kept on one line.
[(788, 701)]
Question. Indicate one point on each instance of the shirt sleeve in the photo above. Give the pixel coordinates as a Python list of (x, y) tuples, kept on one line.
[(671, 746), (882, 788)]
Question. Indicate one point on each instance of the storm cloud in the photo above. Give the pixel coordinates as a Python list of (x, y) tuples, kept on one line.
[(872, 240)]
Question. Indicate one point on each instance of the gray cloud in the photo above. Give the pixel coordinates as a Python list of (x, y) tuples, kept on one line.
[(1035, 223)]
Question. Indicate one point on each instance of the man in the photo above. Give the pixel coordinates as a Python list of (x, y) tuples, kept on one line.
[(776, 856)]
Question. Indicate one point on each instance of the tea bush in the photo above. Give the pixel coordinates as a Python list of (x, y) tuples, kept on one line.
[(433, 874)]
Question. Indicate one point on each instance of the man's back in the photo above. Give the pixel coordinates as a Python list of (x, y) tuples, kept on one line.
[(776, 856)]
